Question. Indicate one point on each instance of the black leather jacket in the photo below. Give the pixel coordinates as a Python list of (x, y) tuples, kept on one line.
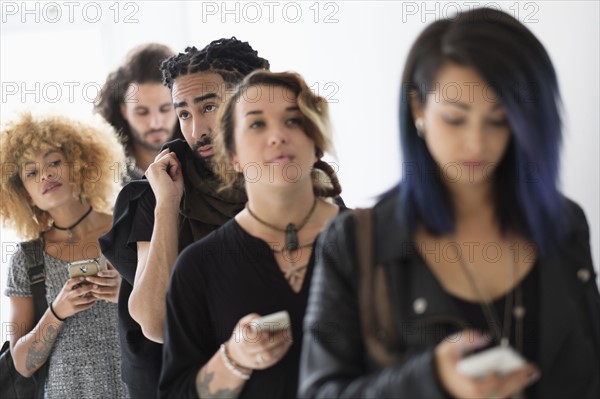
[(334, 360)]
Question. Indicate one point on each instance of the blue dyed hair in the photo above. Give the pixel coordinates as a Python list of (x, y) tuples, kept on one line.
[(516, 65)]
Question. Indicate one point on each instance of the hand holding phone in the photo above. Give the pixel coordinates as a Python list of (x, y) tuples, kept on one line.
[(272, 322), (499, 359), (87, 267)]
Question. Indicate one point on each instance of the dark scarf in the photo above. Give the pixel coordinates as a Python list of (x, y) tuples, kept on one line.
[(204, 208)]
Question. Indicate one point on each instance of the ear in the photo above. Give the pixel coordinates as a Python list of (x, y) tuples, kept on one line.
[(416, 107)]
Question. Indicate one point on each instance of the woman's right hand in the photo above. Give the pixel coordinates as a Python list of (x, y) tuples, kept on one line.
[(74, 297), (450, 351), (257, 350)]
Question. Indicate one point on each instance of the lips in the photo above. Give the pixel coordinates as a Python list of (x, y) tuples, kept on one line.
[(474, 164), (206, 151), (281, 158), (50, 186)]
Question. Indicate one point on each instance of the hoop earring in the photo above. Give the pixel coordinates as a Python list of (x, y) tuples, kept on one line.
[(420, 126)]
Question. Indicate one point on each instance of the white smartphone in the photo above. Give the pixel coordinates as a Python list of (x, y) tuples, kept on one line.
[(272, 322), (499, 359)]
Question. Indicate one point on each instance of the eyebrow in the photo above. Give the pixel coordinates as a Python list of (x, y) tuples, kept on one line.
[(466, 106), (288, 109), (197, 100), (45, 156)]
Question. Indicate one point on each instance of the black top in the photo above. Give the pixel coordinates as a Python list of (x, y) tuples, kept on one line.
[(216, 282), (473, 314), (202, 211)]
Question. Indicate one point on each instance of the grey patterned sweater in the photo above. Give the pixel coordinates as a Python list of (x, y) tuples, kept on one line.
[(85, 359)]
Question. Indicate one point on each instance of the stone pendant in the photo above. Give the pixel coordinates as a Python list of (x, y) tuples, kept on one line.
[(519, 312), (291, 237)]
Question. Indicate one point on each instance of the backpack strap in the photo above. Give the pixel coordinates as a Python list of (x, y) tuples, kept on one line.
[(37, 275), (377, 317), (34, 253)]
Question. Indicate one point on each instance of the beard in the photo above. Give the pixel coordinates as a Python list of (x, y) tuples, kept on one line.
[(201, 162), (141, 140)]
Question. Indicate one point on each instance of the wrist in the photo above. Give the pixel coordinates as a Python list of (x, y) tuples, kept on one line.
[(234, 368), (168, 205), (56, 316)]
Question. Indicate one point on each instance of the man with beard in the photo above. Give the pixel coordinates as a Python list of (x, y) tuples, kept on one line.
[(178, 204), (136, 103)]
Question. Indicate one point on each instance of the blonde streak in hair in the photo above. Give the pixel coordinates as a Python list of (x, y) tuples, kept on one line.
[(320, 120), (309, 106), (221, 154)]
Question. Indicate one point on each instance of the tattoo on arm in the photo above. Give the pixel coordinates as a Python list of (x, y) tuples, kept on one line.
[(202, 388), (40, 349)]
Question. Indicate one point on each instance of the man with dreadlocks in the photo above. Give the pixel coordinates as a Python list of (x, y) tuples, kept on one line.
[(136, 103), (178, 204)]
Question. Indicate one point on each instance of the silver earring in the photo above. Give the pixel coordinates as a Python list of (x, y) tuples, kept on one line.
[(420, 126)]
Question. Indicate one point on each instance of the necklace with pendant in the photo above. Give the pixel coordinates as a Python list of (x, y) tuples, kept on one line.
[(510, 308), (69, 229), (293, 272), (291, 231)]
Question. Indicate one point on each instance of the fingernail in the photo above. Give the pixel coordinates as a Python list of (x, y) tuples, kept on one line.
[(95, 286), (100, 274)]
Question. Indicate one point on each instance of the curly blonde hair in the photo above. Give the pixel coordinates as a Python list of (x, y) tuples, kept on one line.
[(94, 151), (316, 125)]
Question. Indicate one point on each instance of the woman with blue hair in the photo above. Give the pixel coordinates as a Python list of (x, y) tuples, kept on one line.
[(477, 245)]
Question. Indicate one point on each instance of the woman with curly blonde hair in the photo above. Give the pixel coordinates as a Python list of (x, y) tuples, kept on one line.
[(57, 188)]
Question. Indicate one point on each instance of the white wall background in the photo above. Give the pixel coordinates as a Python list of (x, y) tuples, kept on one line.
[(55, 55)]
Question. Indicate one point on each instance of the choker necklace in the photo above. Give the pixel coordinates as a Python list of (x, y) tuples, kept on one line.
[(70, 228), (291, 231)]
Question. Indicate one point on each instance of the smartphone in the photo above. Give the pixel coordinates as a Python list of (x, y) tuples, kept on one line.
[(272, 322), (499, 359), (87, 267)]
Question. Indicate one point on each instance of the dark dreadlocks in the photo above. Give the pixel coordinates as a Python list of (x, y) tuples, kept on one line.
[(230, 58)]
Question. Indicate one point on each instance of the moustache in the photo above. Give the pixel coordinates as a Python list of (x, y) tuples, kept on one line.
[(201, 143)]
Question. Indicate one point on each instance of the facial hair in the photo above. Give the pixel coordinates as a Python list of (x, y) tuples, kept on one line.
[(140, 139), (206, 140), (205, 163)]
